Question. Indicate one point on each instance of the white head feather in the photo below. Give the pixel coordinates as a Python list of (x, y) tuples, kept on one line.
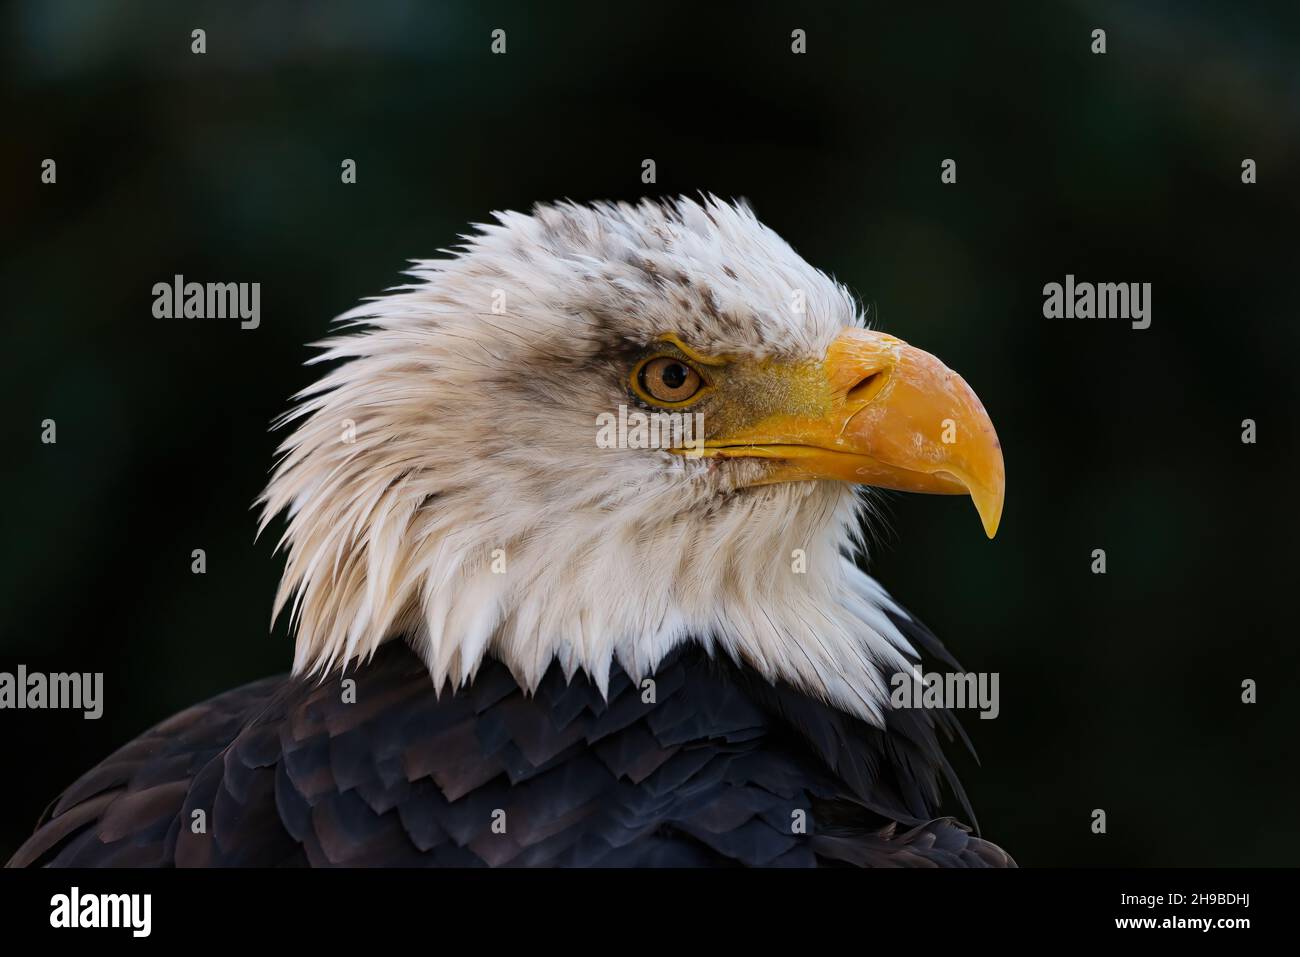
[(444, 484)]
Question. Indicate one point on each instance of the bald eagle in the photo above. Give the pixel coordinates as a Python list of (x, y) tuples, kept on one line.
[(526, 636)]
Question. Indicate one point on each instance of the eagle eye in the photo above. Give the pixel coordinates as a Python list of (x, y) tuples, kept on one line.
[(666, 379)]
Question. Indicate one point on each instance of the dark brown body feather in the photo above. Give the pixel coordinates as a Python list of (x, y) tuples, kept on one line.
[(713, 772)]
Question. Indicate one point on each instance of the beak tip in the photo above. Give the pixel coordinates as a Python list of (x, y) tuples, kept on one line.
[(989, 507)]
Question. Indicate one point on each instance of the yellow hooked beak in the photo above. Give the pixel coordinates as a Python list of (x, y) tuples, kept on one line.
[(894, 417)]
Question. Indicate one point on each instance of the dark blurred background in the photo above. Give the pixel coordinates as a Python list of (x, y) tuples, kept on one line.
[(1119, 692)]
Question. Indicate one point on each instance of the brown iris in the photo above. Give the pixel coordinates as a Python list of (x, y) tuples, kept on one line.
[(669, 380)]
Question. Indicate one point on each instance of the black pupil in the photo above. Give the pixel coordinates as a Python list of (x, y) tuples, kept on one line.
[(674, 375)]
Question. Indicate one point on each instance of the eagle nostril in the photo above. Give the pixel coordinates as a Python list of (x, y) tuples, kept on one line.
[(865, 387)]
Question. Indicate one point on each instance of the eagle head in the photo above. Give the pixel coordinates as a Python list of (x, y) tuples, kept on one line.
[(596, 432)]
